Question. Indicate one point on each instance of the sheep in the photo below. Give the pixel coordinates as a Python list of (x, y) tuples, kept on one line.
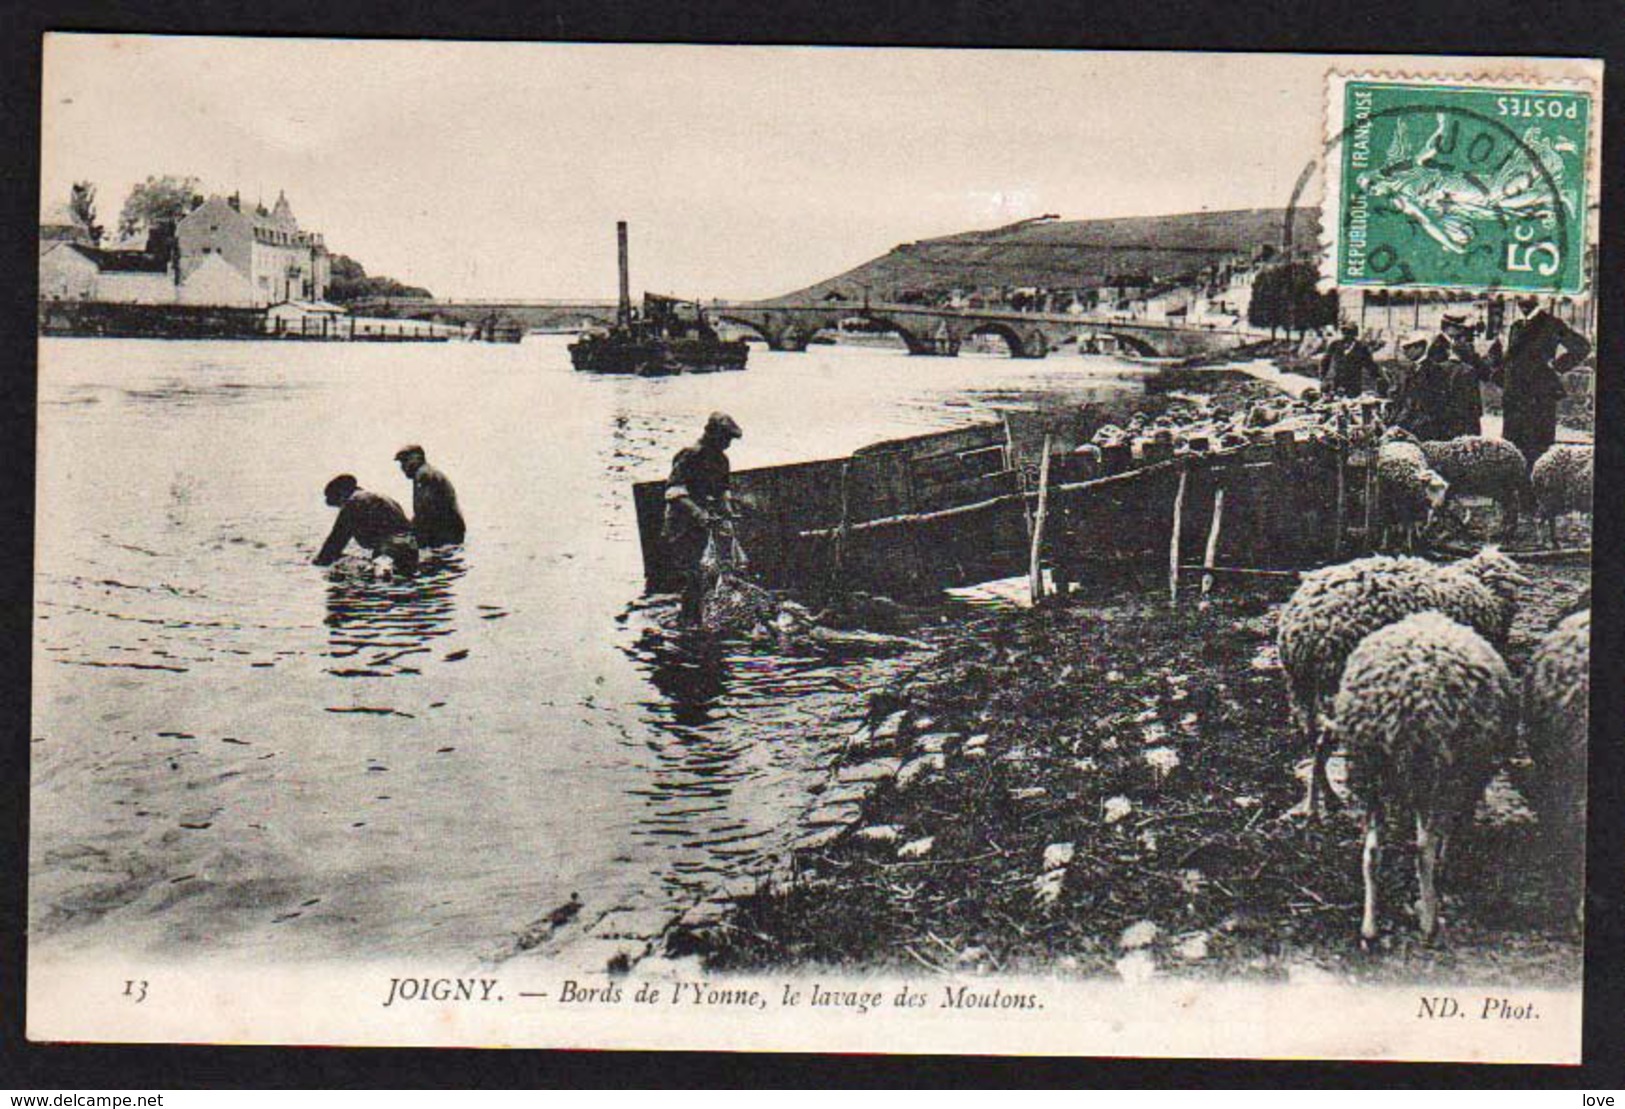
[(1561, 480), (1411, 491), (1109, 435), (1428, 711), (1481, 466), (1334, 608), (1556, 693)]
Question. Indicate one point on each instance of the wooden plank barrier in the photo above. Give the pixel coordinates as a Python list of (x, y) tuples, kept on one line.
[(913, 517)]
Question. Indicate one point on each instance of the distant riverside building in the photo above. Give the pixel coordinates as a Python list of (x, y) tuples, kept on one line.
[(253, 259), (223, 257), (75, 271)]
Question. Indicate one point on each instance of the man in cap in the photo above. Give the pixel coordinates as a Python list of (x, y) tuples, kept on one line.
[(1422, 398), (696, 498), (1467, 369), (1532, 376), (1347, 368), (436, 519), (373, 520)]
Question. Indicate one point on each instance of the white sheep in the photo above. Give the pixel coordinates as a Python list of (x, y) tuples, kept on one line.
[(1428, 711), (1411, 491), (1556, 696), (1562, 483), (1109, 435), (1480, 466), (1336, 607)]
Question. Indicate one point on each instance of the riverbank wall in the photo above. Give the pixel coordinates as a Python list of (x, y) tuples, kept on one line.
[(100, 319)]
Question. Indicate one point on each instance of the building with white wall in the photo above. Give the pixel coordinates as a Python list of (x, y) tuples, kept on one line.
[(274, 260), (74, 271)]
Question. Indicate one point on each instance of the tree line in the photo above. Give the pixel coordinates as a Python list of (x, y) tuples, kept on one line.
[(1285, 298), (155, 207)]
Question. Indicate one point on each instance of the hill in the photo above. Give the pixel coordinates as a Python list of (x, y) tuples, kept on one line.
[(1074, 254)]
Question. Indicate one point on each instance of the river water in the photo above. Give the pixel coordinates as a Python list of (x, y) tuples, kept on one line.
[(238, 754)]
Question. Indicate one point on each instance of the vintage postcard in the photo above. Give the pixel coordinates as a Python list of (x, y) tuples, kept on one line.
[(756, 548)]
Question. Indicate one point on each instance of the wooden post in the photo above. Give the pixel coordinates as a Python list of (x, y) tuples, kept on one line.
[(1173, 545), (1035, 566), (846, 518), (1371, 487), (1212, 543), (1342, 505), (1013, 462)]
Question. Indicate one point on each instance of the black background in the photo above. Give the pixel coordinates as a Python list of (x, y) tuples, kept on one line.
[(1481, 27)]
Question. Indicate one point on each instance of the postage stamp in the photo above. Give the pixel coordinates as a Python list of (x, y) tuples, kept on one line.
[(1459, 185)]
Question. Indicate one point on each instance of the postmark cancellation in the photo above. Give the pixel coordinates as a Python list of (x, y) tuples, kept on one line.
[(1461, 183)]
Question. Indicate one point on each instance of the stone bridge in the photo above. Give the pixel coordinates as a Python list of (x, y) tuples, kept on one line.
[(942, 331), (787, 325)]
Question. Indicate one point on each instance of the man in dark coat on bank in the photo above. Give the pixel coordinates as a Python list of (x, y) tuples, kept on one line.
[(373, 520), (436, 519), (1347, 368), (1532, 376), (1422, 393), (1468, 369), (696, 498)]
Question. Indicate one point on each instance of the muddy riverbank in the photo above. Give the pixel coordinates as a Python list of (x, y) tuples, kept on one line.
[(1097, 787)]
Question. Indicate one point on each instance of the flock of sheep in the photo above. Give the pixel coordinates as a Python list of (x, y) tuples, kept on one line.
[(1398, 660), (1417, 478)]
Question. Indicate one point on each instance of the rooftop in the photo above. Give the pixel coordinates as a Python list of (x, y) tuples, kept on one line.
[(123, 261)]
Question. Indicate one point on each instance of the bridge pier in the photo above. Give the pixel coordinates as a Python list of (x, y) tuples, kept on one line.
[(1033, 344), (787, 340), (932, 346)]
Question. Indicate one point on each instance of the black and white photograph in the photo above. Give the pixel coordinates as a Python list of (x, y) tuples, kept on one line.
[(937, 551)]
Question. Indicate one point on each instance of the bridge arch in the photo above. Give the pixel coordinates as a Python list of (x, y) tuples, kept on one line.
[(915, 338), (755, 327), (1135, 343), (1030, 342), (1103, 340), (781, 330)]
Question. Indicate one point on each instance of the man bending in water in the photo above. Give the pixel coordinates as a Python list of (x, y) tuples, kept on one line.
[(372, 520)]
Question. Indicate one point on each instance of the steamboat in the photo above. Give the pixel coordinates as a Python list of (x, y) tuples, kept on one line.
[(664, 336)]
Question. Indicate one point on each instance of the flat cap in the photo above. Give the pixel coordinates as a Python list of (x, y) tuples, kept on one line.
[(722, 423), (410, 448)]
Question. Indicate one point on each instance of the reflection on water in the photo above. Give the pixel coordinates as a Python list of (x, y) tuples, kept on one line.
[(689, 669), (236, 751), (738, 732), (378, 625)]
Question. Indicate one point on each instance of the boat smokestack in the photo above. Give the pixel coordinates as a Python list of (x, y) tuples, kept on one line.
[(624, 310)]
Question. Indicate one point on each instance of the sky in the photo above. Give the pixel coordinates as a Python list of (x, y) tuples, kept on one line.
[(499, 169)]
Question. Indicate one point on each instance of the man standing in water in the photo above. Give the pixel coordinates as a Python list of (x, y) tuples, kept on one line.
[(696, 496), (1532, 376), (372, 520), (436, 519)]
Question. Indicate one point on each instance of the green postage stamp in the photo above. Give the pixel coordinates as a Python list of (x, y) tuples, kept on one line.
[(1437, 184)]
